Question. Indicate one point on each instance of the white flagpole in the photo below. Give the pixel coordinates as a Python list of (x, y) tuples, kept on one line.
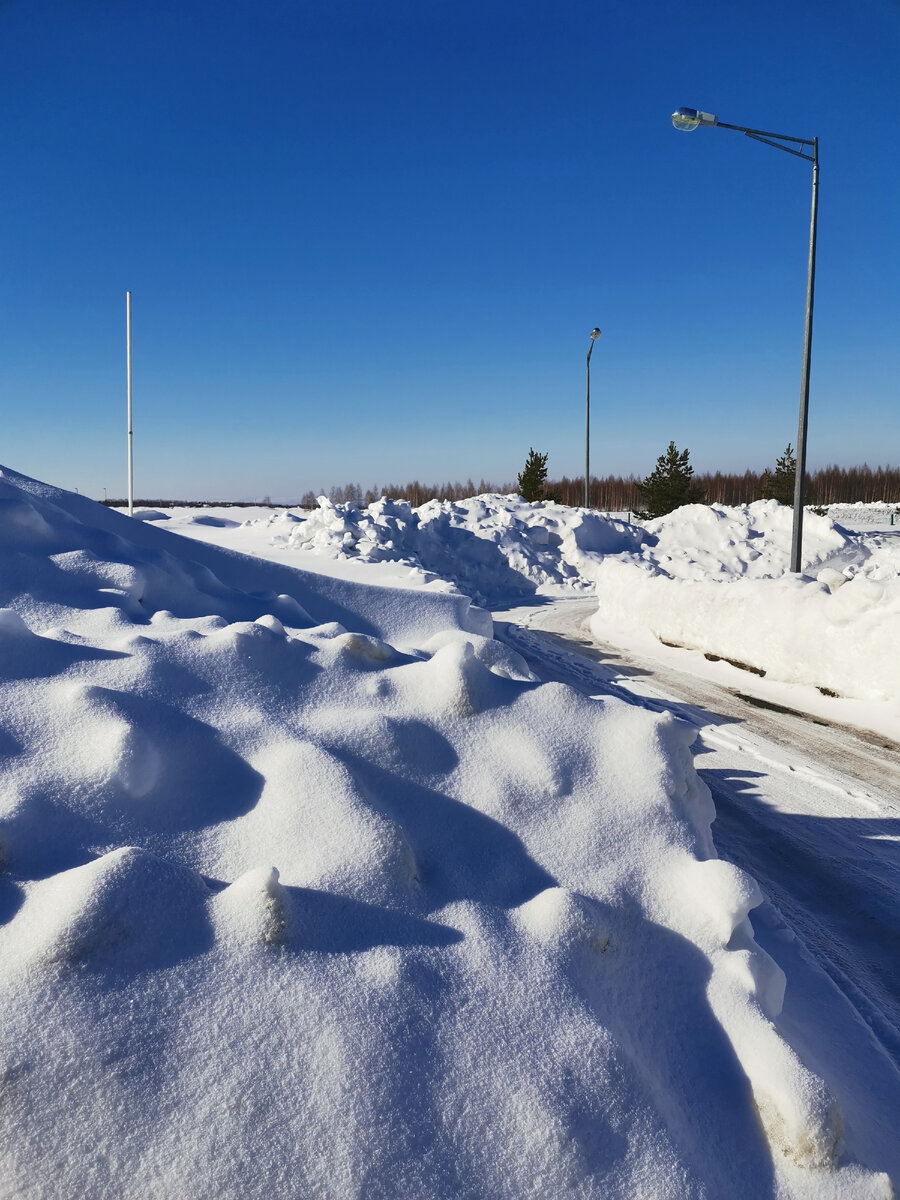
[(130, 430)]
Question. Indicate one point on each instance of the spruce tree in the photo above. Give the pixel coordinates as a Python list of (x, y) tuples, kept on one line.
[(533, 476), (669, 485), (779, 485)]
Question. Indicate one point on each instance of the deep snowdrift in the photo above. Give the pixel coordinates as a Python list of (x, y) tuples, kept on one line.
[(295, 907)]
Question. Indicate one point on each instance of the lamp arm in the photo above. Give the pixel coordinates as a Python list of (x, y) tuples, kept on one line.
[(778, 146), (764, 133)]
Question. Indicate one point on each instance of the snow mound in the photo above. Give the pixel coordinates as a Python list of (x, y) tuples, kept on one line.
[(752, 541), (150, 514), (490, 546), (715, 579), (309, 891), (664, 578)]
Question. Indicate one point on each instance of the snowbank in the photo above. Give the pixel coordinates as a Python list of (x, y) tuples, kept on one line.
[(751, 541), (492, 546), (715, 579), (835, 628), (294, 909)]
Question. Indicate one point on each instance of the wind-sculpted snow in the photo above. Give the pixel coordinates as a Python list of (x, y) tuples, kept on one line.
[(293, 909)]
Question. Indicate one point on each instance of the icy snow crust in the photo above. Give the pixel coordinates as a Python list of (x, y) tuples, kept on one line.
[(311, 890), (836, 627)]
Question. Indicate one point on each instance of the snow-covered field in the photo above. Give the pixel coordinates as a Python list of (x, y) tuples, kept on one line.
[(880, 515), (312, 890)]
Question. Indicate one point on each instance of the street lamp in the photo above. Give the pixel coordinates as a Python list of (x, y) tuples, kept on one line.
[(128, 393), (595, 333), (688, 119)]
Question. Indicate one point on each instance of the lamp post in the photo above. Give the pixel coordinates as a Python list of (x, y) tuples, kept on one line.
[(595, 333), (688, 119), (128, 392)]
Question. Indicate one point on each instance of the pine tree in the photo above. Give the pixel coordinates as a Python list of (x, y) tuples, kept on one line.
[(533, 476), (670, 484), (779, 485)]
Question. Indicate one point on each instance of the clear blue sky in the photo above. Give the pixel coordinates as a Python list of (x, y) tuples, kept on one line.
[(367, 241)]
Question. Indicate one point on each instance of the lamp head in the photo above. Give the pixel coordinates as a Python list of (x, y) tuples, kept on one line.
[(689, 118), (595, 333)]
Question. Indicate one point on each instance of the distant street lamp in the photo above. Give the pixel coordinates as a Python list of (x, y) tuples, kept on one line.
[(690, 118), (595, 333), (128, 393)]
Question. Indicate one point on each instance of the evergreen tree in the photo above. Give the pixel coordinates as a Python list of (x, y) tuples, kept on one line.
[(533, 476), (670, 485), (779, 485)]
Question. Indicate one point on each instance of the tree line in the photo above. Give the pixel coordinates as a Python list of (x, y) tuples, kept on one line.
[(415, 493), (610, 493), (619, 493)]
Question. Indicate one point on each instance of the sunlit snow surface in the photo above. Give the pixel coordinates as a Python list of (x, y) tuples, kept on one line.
[(311, 890), (716, 579), (836, 626)]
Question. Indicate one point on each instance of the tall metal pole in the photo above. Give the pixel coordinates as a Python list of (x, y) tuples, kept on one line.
[(595, 333), (797, 534), (691, 118), (587, 432), (128, 384)]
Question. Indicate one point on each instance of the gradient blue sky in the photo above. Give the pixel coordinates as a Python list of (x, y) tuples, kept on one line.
[(367, 241)]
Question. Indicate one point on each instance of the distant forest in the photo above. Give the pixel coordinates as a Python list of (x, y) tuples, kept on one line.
[(615, 493)]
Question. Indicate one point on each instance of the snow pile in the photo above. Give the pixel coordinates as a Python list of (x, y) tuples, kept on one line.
[(312, 890), (715, 579), (750, 541), (835, 628), (491, 546)]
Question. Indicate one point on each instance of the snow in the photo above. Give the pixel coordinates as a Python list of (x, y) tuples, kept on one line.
[(706, 577), (490, 546), (715, 579), (312, 889), (865, 515)]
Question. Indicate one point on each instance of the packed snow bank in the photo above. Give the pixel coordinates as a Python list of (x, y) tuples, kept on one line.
[(290, 909), (836, 628), (490, 546), (716, 579), (749, 541)]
